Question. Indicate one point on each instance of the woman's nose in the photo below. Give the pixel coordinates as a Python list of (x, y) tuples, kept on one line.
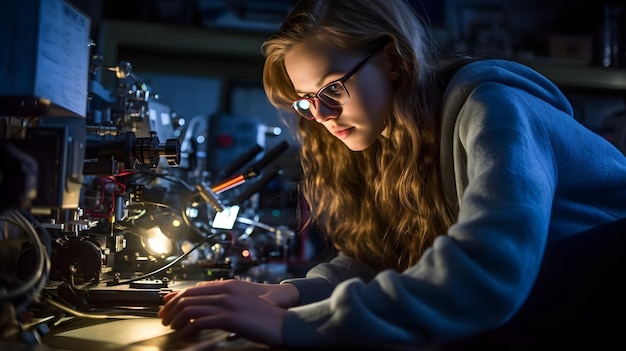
[(322, 112)]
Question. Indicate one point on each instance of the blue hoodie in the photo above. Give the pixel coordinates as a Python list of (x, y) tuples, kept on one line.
[(521, 172)]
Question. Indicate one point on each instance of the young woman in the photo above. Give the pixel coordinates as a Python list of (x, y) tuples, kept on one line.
[(440, 182)]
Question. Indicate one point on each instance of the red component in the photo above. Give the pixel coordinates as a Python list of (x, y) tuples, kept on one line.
[(225, 141)]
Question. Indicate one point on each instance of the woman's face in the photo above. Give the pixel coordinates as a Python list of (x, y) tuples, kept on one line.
[(360, 121)]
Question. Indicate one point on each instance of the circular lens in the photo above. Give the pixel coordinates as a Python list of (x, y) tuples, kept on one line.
[(303, 107)]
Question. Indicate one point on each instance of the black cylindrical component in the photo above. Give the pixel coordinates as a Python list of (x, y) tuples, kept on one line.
[(171, 151), (256, 187), (146, 150), (269, 157), (232, 167)]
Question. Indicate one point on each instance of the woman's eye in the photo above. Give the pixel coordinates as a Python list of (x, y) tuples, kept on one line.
[(334, 88)]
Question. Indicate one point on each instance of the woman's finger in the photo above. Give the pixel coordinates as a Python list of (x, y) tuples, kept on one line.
[(172, 299), (170, 296), (176, 307), (191, 330), (189, 315)]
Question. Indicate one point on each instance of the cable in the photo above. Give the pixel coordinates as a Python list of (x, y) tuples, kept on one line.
[(45, 237), (137, 175), (150, 274), (34, 285), (50, 300)]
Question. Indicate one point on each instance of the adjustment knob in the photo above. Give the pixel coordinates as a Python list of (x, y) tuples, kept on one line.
[(146, 150)]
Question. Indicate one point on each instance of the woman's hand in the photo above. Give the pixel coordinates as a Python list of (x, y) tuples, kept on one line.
[(254, 311)]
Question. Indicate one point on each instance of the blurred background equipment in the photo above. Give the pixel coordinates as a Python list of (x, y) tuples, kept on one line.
[(106, 196)]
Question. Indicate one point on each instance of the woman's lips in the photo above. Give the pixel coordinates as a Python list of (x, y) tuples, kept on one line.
[(343, 133)]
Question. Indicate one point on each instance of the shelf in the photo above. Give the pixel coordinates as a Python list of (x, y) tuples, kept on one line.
[(192, 48), (182, 50), (589, 78), (181, 39)]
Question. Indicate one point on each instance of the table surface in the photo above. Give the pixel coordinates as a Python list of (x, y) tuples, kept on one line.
[(133, 334), (142, 334)]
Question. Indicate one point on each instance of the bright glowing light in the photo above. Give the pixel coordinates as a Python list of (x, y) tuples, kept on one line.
[(245, 253), (304, 104), (157, 243), (192, 212), (192, 256)]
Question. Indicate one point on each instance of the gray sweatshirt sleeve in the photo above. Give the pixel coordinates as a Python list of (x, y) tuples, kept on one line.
[(322, 279)]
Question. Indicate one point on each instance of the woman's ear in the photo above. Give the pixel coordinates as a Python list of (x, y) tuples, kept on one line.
[(392, 59)]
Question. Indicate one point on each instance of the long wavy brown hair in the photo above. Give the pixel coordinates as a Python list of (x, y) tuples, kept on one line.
[(384, 205)]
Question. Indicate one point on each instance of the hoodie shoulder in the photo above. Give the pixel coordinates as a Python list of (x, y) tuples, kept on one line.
[(466, 80), (509, 73)]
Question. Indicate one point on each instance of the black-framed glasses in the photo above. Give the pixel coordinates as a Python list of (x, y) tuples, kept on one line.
[(333, 94)]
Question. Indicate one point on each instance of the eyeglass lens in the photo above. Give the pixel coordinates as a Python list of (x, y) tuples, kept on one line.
[(333, 95)]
